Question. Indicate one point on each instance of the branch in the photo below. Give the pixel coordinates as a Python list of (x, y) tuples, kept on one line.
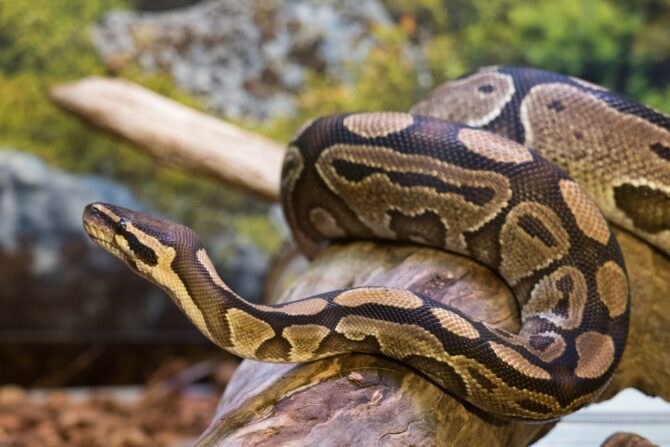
[(176, 135)]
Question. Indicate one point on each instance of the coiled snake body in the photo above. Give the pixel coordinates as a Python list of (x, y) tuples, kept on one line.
[(426, 180)]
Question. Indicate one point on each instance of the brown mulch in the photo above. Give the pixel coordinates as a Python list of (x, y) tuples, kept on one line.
[(169, 411)]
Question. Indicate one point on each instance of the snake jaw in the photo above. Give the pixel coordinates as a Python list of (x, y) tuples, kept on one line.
[(99, 224)]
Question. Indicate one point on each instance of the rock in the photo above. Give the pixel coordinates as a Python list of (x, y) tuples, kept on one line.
[(245, 59), (58, 286)]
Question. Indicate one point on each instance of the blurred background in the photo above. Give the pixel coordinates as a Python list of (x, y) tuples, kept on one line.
[(70, 315)]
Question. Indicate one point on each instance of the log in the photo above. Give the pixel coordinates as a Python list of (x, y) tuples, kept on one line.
[(621, 439), (176, 135), (361, 400)]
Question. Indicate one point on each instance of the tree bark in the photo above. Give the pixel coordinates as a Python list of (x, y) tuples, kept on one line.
[(176, 135)]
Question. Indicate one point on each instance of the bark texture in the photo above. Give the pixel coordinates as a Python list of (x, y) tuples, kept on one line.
[(621, 439)]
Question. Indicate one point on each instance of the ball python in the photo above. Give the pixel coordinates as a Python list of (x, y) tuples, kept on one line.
[(479, 188)]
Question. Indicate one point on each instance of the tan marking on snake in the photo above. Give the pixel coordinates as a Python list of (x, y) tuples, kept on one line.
[(548, 352), (311, 306), (377, 124), (325, 223), (164, 275), (517, 361), (395, 339), (505, 397), (403, 299), (602, 138), (206, 262), (494, 147), (589, 218), (596, 354), (523, 253), (454, 323), (612, 288), (546, 295), (247, 332), (373, 196), (553, 350), (305, 339), (476, 100)]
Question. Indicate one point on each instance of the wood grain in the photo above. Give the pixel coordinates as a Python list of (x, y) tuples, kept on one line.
[(176, 135)]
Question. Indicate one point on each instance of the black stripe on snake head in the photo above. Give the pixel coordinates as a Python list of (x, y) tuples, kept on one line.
[(143, 252)]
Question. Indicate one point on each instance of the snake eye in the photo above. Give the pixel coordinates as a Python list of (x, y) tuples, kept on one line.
[(122, 223)]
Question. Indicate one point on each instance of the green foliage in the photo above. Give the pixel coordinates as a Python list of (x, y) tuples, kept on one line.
[(624, 45), (47, 42)]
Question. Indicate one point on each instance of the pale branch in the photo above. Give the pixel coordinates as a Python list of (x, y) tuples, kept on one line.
[(176, 135)]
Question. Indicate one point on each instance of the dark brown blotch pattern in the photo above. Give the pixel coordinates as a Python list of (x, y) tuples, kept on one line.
[(648, 208)]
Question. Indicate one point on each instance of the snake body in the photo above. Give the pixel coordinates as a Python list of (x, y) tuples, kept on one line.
[(422, 179)]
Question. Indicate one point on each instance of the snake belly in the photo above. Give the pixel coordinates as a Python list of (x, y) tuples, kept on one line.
[(469, 188)]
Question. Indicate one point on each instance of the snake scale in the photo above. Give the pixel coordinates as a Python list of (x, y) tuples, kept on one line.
[(479, 188)]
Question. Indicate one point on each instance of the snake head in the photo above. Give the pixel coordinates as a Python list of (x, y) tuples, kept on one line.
[(147, 244)]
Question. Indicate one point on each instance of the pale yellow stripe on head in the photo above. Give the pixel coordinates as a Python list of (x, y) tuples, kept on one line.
[(310, 306), (596, 354), (494, 147), (455, 324), (247, 333), (612, 288), (305, 339), (588, 217), (517, 361), (107, 212), (377, 124), (403, 299), (206, 262), (163, 274)]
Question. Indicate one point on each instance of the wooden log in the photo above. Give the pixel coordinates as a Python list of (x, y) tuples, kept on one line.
[(621, 439), (176, 135), (361, 400)]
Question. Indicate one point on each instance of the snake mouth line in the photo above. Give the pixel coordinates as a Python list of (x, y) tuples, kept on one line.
[(105, 242)]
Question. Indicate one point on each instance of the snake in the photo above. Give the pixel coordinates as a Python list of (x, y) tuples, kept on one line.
[(517, 168)]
